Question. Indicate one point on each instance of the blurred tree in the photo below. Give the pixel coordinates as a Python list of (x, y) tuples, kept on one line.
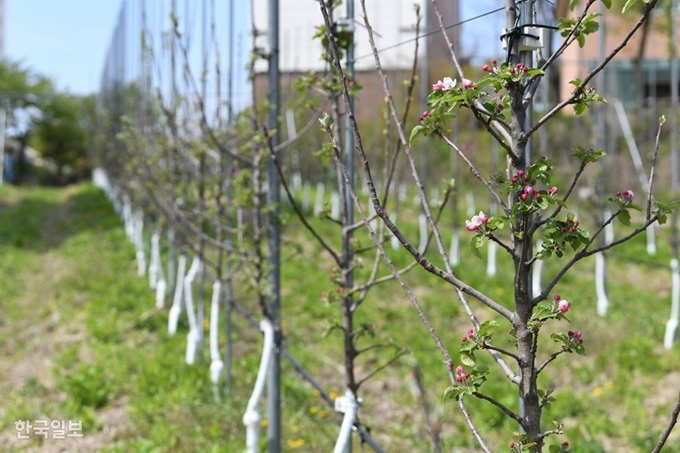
[(62, 130), (21, 93)]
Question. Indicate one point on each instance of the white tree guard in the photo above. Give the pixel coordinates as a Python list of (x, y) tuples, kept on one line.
[(251, 418), (138, 240), (402, 192), (194, 336), (394, 242), (434, 196), (537, 272), (637, 162), (491, 259), (470, 201), (372, 213), (349, 406), (127, 217), (672, 323), (609, 229), (335, 206), (454, 250), (216, 364), (651, 239), (297, 181), (306, 196), (176, 308), (161, 288), (318, 202), (422, 223), (600, 284), (154, 260)]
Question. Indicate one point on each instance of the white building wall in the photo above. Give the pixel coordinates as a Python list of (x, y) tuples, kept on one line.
[(393, 20)]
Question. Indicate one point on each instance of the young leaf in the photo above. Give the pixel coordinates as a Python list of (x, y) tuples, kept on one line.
[(607, 3), (414, 133), (629, 4), (624, 217), (467, 358)]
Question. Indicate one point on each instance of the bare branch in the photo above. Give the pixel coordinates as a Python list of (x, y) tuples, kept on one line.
[(499, 405), (671, 424), (651, 172), (501, 134), (648, 9)]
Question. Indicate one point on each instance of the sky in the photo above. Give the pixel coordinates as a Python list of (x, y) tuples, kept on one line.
[(63, 39), (67, 39)]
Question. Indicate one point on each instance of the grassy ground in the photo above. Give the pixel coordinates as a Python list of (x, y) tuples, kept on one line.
[(80, 340)]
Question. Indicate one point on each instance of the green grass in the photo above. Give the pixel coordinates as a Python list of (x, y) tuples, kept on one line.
[(71, 295)]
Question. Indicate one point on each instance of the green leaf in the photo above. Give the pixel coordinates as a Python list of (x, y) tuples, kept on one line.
[(468, 358), (450, 393), (662, 218), (414, 133), (476, 242), (629, 4), (554, 449), (607, 3), (581, 39), (624, 217), (496, 222), (578, 108), (572, 4), (486, 327)]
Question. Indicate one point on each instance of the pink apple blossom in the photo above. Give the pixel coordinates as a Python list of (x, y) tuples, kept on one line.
[(563, 306), (444, 85), (476, 221)]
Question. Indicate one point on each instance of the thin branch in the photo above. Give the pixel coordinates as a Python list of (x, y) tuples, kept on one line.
[(407, 149), (381, 367), (447, 276), (412, 297), (652, 173), (584, 252), (477, 107), (291, 199), (476, 173), (500, 361), (502, 351), (552, 357), (577, 91), (499, 405), (671, 424), (473, 428), (502, 244), (540, 222)]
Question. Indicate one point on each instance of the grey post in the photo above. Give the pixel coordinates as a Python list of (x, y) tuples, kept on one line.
[(274, 381)]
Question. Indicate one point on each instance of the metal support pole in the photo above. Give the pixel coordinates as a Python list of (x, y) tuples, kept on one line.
[(3, 113), (674, 98), (230, 211), (273, 198), (349, 204), (672, 324), (601, 271)]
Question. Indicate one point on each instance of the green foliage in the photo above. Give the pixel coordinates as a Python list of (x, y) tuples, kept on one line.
[(61, 133), (21, 88), (630, 3), (579, 28)]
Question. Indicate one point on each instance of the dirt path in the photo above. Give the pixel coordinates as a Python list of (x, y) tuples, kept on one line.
[(37, 325)]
